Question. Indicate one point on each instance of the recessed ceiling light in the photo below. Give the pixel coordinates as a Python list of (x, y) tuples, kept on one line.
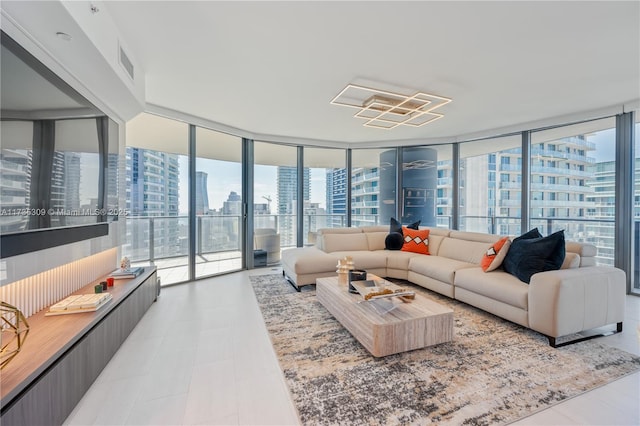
[(387, 110), (64, 36)]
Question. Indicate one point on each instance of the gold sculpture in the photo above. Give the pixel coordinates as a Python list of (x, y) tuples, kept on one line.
[(14, 329)]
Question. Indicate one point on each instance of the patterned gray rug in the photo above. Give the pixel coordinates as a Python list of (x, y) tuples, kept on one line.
[(494, 372)]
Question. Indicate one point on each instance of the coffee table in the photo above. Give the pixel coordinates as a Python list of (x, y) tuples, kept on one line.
[(386, 326)]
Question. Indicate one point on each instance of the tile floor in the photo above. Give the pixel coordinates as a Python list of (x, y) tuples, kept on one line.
[(176, 270), (202, 355)]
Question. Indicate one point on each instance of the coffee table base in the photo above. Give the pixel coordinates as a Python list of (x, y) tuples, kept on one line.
[(407, 326)]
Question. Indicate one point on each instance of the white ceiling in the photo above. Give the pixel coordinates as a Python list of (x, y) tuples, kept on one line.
[(271, 68)]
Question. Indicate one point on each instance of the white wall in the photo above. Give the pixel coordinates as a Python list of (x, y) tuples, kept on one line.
[(88, 63)]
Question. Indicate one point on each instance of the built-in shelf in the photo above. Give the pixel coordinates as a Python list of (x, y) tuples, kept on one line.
[(63, 355)]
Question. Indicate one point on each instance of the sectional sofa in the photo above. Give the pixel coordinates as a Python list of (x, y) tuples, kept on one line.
[(580, 296)]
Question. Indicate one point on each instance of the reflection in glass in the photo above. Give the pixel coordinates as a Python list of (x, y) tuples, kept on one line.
[(444, 192), (573, 176), (59, 156), (367, 200), (490, 180)]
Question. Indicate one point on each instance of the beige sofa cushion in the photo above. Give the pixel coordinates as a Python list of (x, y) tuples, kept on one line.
[(434, 243), (345, 242), (375, 228), (375, 240), (325, 231), (571, 261), (364, 259), (308, 260), (397, 259), (463, 250), (436, 267), (441, 232), (475, 236), (496, 285), (583, 249)]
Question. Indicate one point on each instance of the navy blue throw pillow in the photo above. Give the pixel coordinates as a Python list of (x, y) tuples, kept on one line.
[(394, 241), (528, 256), (534, 233), (396, 226)]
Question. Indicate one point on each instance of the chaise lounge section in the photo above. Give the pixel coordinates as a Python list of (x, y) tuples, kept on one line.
[(579, 296)]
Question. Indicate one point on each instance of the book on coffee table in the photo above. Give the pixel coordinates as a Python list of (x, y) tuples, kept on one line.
[(381, 289)]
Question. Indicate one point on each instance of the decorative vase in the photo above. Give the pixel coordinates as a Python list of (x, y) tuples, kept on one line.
[(125, 263), (343, 267)]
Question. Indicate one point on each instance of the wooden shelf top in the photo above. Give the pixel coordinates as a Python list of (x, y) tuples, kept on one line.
[(51, 336)]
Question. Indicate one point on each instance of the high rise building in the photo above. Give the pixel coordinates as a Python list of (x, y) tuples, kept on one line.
[(15, 165), (336, 196), (287, 180), (152, 190), (202, 196), (365, 194)]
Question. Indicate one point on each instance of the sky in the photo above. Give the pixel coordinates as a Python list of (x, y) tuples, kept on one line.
[(224, 177)]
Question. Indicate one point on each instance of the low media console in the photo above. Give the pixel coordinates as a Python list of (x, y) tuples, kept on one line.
[(63, 355)]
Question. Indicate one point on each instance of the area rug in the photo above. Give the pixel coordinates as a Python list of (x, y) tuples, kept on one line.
[(494, 372)]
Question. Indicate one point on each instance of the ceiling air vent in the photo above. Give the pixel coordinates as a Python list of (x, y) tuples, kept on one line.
[(126, 63)]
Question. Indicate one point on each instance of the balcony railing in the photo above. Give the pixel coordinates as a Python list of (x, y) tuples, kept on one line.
[(165, 238), (151, 238)]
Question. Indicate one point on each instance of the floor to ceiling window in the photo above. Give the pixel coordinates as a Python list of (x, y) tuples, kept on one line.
[(571, 187), (275, 190), (219, 203), (157, 228), (573, 174), (371, 204), (491, 185), (444, 196), (635, 281), (427, 185), (327, 182)]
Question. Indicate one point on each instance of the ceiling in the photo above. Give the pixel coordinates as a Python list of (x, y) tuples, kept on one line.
[(272, 68)]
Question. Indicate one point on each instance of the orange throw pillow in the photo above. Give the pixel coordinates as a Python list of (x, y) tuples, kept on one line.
[(416, 240), (493, 258)]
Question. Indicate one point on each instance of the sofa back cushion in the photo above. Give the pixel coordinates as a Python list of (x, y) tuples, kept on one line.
[(586, 253), (441, 232), (463, 250), (434, 243), (375, 240), (583, 249), (375, 228), (325, 231), (345, 242), (571, 261), (475, 236)]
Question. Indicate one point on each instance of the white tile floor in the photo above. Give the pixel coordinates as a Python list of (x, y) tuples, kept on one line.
[(202, 355), (176, 270)]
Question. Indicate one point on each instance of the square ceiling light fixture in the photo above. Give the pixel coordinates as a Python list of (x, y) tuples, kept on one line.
[(387, 110)]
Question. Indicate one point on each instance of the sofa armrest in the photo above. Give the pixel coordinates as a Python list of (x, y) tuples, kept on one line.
[(572, 300)]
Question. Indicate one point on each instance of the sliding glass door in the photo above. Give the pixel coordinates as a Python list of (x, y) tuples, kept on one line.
[(219, 203), (157, 186), (275, 201), (327, 182)]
